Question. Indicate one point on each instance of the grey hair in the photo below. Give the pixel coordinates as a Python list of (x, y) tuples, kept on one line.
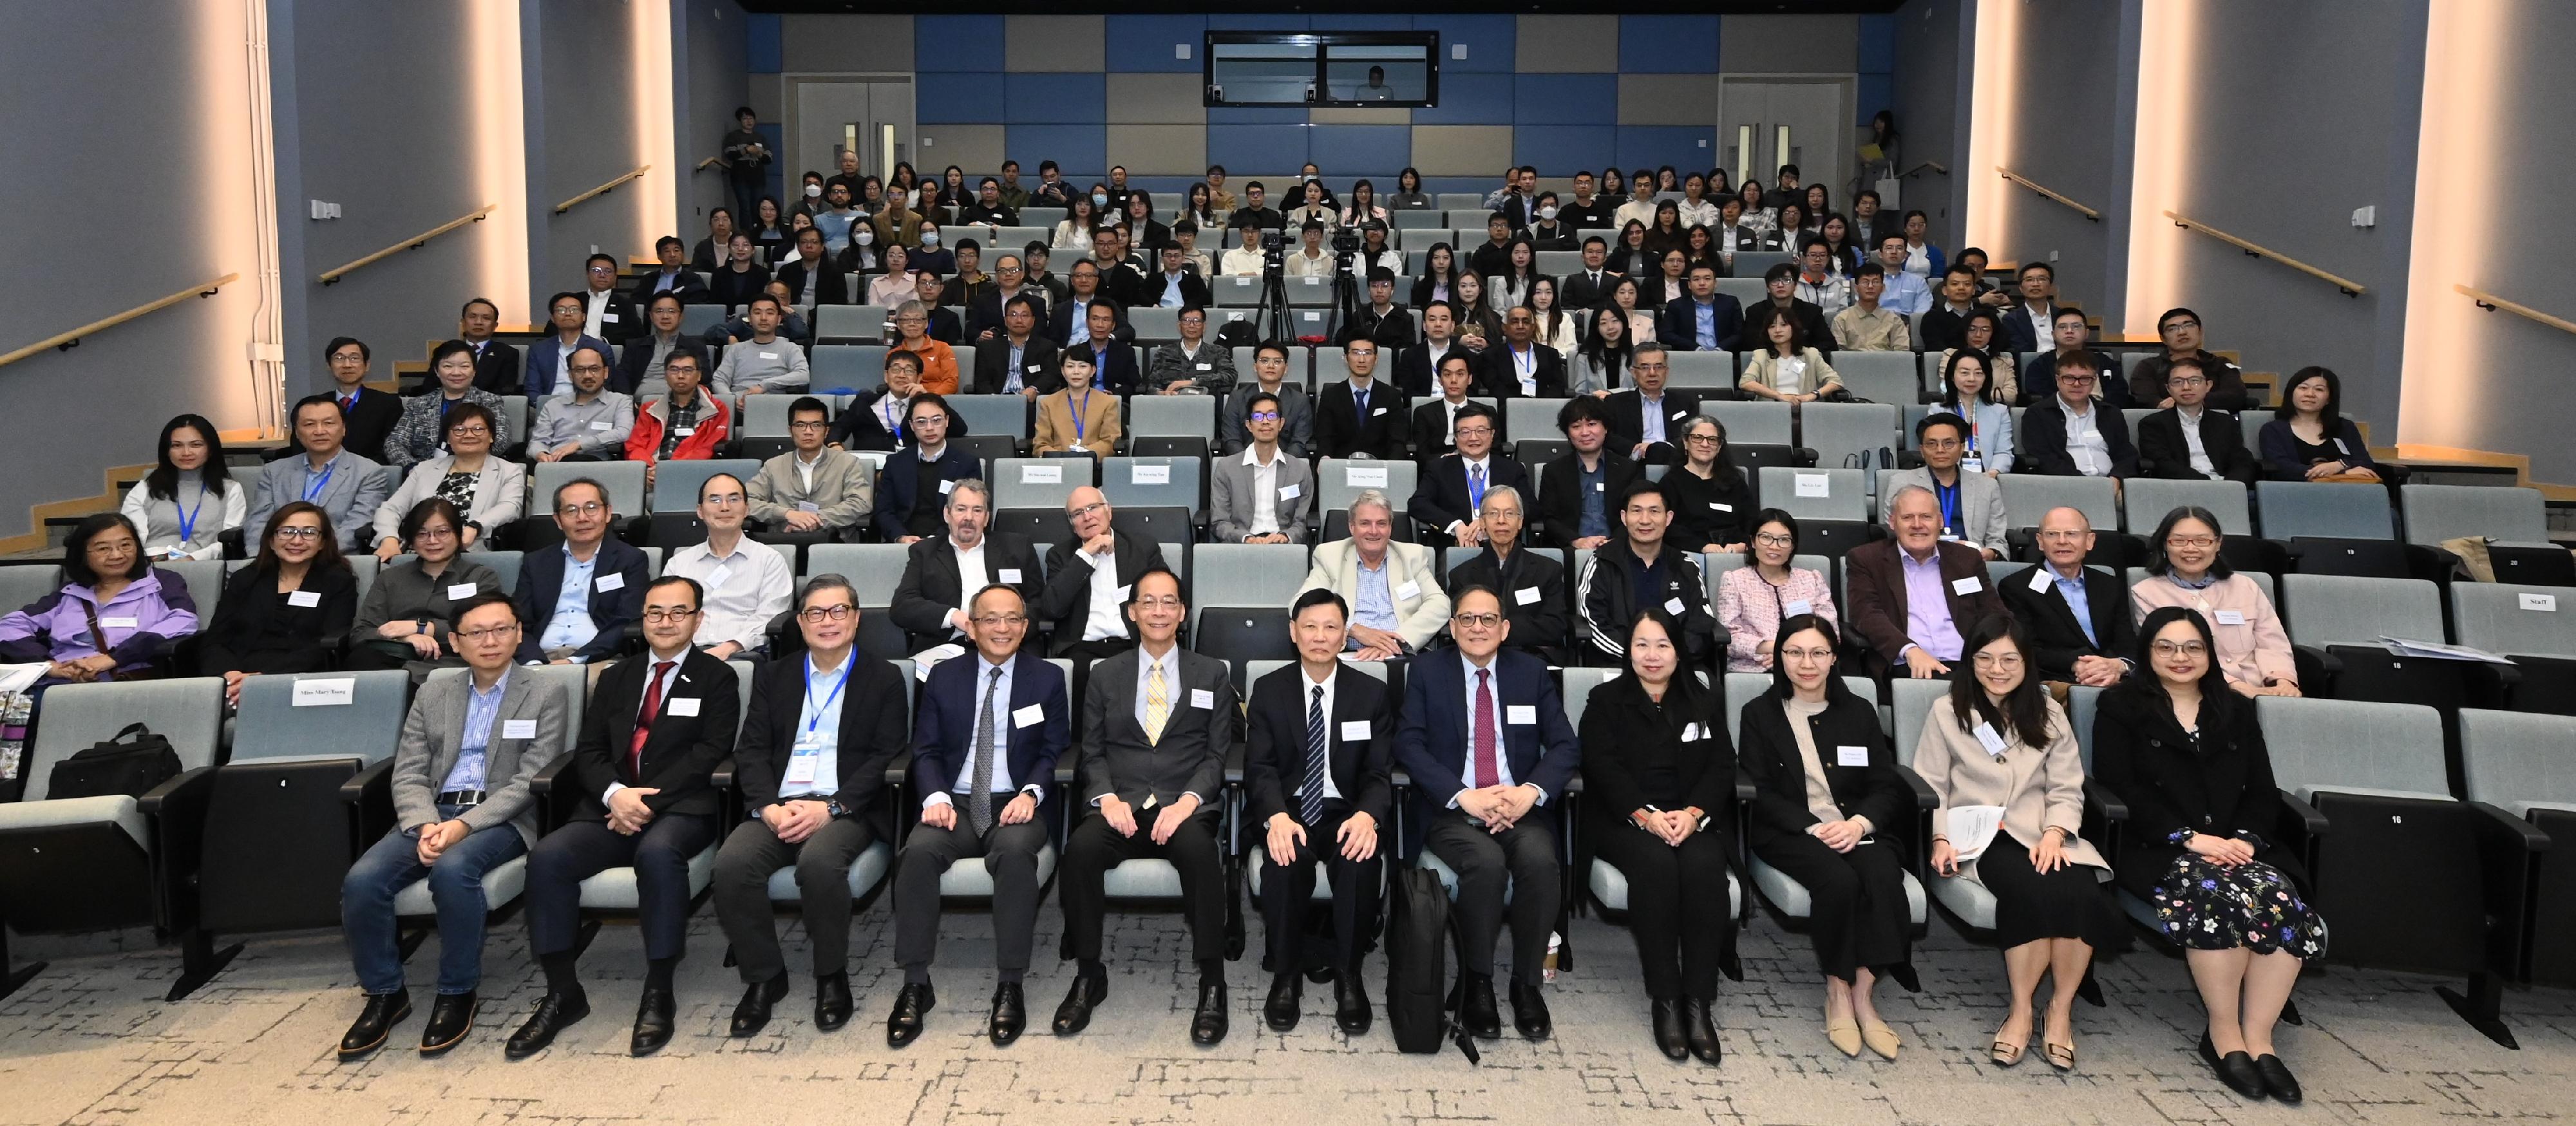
[(1502, 491), (825, 582), (1371, 498), (1642, 347), (1899, 498), (965, 483), (1009, 256), (910, 307)]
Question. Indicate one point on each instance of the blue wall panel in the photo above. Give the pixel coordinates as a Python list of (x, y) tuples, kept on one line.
[(1346, 152), (761, 35), (1257, 21), (1872, 93), (1657, 145), (1560, 149), (1565, 99), (955, 42), (1048, 98), (1490, 42), (959, 96), (1252, 150), (1470, 99), (1877, 52), (1082, 150), (1144, 43), (1667, 44), (1357, 22)]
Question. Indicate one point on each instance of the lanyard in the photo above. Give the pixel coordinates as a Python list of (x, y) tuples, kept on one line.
[(835, 694), (313, 485), (188, 516), (1527, 362), (1949, 498), (1079, 411), (1475, 488)]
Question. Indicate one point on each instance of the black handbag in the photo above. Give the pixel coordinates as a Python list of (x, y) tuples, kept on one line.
[(132, 763)]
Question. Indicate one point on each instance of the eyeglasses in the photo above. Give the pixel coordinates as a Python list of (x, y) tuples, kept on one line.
[(658, 615), (437, 533), (720, 500), (996, 621), (808, 424), (1808, 654), (1087, 509), (1477, 621), (816, 615), (469, 432), (2076, 380), (1774, 539), (489, 633), (1475, 431), (603, 269), (1701, 439), (2178, 648), (1159, 602), (2188, 381), (299, 533), (1265, 416), (589, 369), (1998, 660), (2191, 541), (2169, 326)]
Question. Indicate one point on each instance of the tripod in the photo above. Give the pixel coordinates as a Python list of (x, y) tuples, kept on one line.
[(1274, 295)]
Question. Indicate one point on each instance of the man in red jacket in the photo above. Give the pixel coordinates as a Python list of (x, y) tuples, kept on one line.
[(687, 424)]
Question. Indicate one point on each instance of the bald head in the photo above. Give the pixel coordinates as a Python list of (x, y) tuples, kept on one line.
[(1088, 509), (2065, 539)]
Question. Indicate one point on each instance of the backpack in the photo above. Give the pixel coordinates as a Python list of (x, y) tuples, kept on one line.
[(1419, 1003), (116, 766)]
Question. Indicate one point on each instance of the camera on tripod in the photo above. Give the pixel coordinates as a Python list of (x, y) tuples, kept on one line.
[(1274, 241), (1346, 240)]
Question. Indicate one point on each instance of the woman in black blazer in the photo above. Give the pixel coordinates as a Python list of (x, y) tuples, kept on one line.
[(1852, 863), (1661, 784), (2183, 750), (288, 610)]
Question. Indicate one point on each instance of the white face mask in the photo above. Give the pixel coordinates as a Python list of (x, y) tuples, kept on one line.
[(1547, 212), (864, 237), (929, 238), (813, 191), (1099, 199)]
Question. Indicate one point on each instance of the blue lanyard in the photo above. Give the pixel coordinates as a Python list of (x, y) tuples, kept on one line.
[(1949, 498), (188, 517), (846, 662), (313, 485), (1079, 411), (1475, 490)]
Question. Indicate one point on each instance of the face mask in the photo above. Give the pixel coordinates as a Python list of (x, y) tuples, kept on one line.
[(929, 238), (1099, 199), (1547, 213), (813, 191), (864, 237)]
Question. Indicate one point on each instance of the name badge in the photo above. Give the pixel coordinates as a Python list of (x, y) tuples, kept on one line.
[(686, 431), (945, 486), (1009, 574), (1693, 732), (1966, 586), (1986, 737), (2231, 617), (1814, 485), (769, 355), (1720, 506), (333, 693), (455, 592), (1202, 699), (684, 706), (606, 583), (1525, 595), (1973, 464), (1203, 366), (1376, 411), (312, 598), (136, 623), (801, 764), (1601, 486), (1408, 590), (1355, 730), (1033, 369), (808, 506), (1149, 474), (1680, 415), (716, 578), (2341, 448), (608, 318), (1673, 605), (1291, 492), (2544, 603), (1520, 715), (1799, 606), (1029, 716), (518, 729), (599, 426), (1851, 756), (2041, 580)]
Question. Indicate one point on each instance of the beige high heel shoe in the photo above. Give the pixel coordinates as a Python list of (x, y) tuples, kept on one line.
[(1845, 1035)]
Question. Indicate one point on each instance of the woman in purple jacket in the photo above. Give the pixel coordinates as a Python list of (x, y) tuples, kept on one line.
[(113, 617)]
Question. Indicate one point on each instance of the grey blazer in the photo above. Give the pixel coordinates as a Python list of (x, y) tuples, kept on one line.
[(432, 736), (1117, 759), (356, 489), (500, 490), (1982, 520), (845, 490), (1231, 501)]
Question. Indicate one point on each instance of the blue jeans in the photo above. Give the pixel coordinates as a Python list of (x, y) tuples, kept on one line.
[(455, 885)]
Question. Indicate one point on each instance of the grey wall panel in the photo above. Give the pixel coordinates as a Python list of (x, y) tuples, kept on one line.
[(1156, 99), (1567, 44), (1668, 99), (845, 44), (1827, 44), (1075, 44)]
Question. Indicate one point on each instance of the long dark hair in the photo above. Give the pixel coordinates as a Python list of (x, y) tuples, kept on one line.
[(326, 559), (2331, 417), (2150, 688), (2024, 714), (1950, 387), (1612, 359), (1792, 626), (2157, 564), (163, 482), (1684, 680)]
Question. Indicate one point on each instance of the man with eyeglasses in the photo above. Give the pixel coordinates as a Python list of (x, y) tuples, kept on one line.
[(983, 760), (913, 491), (1971, 502), (1270, 362), (1018, 361), (810, 767), (2078, 617), (684, 423), (550, 360), (639, 366), (1532, 586), (1648, 419), (988, 316), (1088, 578), (1638, 569), (1484, 736), (1192, 365), (464, 803), (1159, 724), (744, 582), (606, 313), (348, 486), (1913, 596), (641, 775), (1265, 496), (1070, 321), (2076, 434), (1393, 589), (2191, 440), (2070, 333), (1451, 489), (764, 363), (942, 573), (2180, 331), (577, 601), (1865, 325), (1363, 417), (812, 493), (591, 424)]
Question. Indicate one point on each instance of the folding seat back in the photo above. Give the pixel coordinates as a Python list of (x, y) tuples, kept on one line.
[(2517, 620), (872, 568), (1185, 416), (1250, 575), (1238, 635), (279, 837), (1700, 370), (2029, 496), (2146, 500), (1023, 482), (624, 481), (87, 863), (2506, 515), (1854, 434), (2525, 765), (675, 483), (1817, 494), (2351, 558), (1881, 377), (2290, 509), (1339, 480), (989, 415)]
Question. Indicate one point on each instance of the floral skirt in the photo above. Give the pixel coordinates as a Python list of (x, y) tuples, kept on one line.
[(2206, 906)]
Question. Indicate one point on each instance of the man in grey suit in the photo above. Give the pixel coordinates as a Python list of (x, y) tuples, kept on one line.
[(812, 493), (1158, 723), (1971, 503), (348, 487), (463, 805), (1263, 496)]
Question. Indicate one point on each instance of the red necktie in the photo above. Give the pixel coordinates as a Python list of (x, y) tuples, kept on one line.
[(1487, 771), (349, 404), (644, 720)]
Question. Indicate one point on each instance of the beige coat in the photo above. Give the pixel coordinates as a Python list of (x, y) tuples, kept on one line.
[(2037, 788), (844, 490), (1420, 617)]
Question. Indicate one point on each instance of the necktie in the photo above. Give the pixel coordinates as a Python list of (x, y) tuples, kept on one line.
[(1475, 487), (644, 719), (1485, 770), (1158, 705), (979, 800), (1310, 809), (350, 403)]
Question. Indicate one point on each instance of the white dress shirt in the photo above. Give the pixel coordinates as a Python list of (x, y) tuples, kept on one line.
[(662, 699), (744, 590), (1265, 492), (2084, 441), (1467, 740), (972, 575), (2200, 462), (1305, 705), (1105, 620), (964, 783)]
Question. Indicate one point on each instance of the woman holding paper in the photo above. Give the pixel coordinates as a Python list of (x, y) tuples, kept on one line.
[(1661, 779), (2000, 740), (288, 610), (1830, 812), (2186, 756), (2184, 569)]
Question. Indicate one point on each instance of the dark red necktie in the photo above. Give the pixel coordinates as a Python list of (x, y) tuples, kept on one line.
[(644, 720), (1487, 771)]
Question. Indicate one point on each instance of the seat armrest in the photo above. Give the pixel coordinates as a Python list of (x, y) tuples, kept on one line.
[(2313, 822), (2317, 668), (2499, 827), (1745, 791), (1924, 798), (372, 781), (175, 796), (722, 777), (2102, 801), (543, 785)]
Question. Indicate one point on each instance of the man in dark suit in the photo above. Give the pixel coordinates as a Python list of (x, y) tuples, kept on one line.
[(1318, 744), (1082, 603), (1646, 420), (2041, 377), (1381, 320), (2078, 618), (1069, 322), (1518, 365), (2180, 330), (2191, 441), (1884, 576), (913, 490), (811, 268), (675, 276), (496, 365), (579, 600), (607, 313), (1451, 489), (1485, 738), (1780, 286), (1417, 368), (1018, 360), (1578, 505), (1158, 723), (1364, 416), (638, 788), (1113, 360), (1175, 286), (1705, 321), (2032, 319), (810, 769), (1435, 420), (1532, 586), (983, 760), (368, 415), (984, 315), (1589, 287), (941, 571), (2073, 434), (1122, 274)]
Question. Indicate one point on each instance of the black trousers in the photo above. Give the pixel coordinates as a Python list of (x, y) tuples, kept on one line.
[(660, 856), (1010, 854), (1095, 848), (1520, 863), (822, 863), (1860, 917), (1083, 654), (1287, 890), (1676, 906)]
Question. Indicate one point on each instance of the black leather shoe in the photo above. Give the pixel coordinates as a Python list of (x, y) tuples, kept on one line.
[(1282, 1011), (1529, 1012), (375, 1023), (1698, 1031), (1669, 1037), (1010, 1015), (1088, 992), (752, 1014), (655, 1019), (832, 1002), (556, 1012), (450, 1018), (1322, 975), (2277, 1078), (1351, 1004), (904, 1023), (2236, 1069), (1476, 1009), (1207, 1026)]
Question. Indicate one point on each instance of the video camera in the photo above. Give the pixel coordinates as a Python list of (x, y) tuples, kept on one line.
[(1346, 240)]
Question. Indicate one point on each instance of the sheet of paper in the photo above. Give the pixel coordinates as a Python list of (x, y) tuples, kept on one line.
[(1972, 828)]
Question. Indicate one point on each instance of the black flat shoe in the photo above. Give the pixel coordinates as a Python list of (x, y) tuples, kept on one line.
[(1667, 1022), (2277, 1078), (1699, 1030), (1529, 1012), (1351, 1004), (903, 1025), (831, 1002), (2236, 1069), (375, 1023), (450, 1018), (1282, 1011), (558, 1011), (1010, 1015), (1208, 1024), (1476, 1009), (752, 1014), (655, 1019), (1087, 993)]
